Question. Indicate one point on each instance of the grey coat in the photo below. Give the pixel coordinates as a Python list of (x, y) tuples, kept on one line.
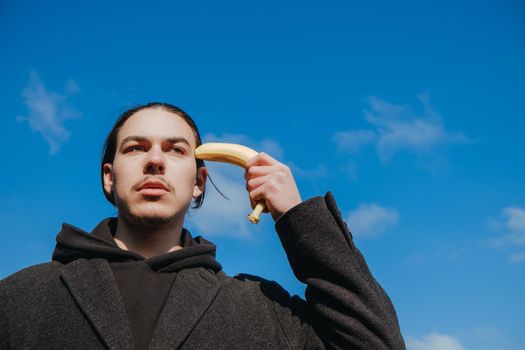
[(78, 305)]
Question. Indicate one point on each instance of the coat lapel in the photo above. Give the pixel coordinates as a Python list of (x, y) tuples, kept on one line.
[(94, 289), (192, 293)]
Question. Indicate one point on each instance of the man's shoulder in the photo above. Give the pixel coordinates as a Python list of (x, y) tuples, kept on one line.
[(249, 280), (247, 284), (32, 276)]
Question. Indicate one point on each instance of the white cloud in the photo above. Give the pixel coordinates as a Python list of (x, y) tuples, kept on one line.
[(517, 258), (513, 222), (349, 169), (434, 341), (371, 219), (218, 215), (486, 333), (48, 111), (351, 141), (72, 87), (320, 171), (397, 128)]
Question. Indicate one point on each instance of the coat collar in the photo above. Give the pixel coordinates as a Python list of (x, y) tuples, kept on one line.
[(192, 293), (94, 289)]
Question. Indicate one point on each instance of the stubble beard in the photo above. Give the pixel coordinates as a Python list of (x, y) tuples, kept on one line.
[(145, 220), (141, 220), (149, 221), (152, 220)]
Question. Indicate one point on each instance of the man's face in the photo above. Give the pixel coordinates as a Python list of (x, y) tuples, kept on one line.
[(153, 176)]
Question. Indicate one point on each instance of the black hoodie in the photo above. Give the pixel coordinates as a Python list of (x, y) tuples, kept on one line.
[(144, 284)]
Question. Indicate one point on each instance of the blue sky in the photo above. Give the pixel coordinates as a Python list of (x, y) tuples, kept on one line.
[(410, 112)]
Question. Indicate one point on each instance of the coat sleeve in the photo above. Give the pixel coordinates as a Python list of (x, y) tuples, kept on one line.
[(345, 306), (4, 324)]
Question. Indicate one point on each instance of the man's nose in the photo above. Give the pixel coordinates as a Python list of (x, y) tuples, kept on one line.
[(155, 161)]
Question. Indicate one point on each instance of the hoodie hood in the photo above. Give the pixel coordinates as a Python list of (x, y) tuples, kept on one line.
[(74, 243)]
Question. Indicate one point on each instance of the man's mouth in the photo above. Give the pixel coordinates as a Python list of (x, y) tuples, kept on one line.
[(153, 188)]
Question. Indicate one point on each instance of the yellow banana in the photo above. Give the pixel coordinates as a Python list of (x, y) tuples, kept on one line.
[(234, 154)]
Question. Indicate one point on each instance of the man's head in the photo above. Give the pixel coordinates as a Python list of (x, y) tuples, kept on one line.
[(148, 167)]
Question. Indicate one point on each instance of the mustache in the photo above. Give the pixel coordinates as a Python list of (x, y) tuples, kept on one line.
[(154, 178)]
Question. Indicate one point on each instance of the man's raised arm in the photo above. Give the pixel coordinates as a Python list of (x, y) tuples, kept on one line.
[(345, 306)]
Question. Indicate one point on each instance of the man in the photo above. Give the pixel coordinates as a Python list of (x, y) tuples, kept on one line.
[(140, 281)]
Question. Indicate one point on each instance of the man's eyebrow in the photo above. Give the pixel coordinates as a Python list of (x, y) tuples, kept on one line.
[(176, 139), (133, 138)]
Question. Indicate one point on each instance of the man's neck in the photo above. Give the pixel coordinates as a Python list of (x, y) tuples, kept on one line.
[(148, 241)]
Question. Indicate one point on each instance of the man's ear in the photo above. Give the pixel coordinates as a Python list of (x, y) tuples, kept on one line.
[(108, 178), (200, 181)]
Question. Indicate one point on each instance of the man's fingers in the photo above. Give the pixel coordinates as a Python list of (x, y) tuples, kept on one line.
[(271, 181), (254, 203), (261, 159), (255, 182), (259, 170), (258, 194)]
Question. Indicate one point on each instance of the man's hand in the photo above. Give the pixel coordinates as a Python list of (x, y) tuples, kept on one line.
[(269, 180)]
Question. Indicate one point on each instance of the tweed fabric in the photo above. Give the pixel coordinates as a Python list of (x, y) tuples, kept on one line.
[(77, 305)]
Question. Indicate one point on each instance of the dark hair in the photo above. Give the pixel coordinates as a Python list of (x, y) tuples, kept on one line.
[(110, 146)]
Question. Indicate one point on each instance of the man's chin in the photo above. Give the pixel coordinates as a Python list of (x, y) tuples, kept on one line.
[(149, 219), (148, 214)]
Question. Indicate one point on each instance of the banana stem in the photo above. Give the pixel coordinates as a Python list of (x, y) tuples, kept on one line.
[(256, 213)]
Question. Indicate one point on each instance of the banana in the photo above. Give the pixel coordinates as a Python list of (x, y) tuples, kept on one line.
[(225, 152), (234, 154)]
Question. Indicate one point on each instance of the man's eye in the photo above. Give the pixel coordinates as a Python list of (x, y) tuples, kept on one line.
[(178, 149), (135, 148)]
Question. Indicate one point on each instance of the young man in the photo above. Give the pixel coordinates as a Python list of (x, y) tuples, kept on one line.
[(140, 281)]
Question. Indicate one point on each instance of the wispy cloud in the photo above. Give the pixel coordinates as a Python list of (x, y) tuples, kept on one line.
[(48, 111), (351, 141), (513, 223), (72, 87), (318, 172), (516, 258), (371, 220), (485, 333), (434, 341), (398, 128)]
